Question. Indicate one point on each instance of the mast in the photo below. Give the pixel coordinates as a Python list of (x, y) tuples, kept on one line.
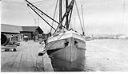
[(67, 24), (83, 19), (60, 14)]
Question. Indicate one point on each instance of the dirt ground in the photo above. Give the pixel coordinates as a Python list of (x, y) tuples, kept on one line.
[(26, 59)]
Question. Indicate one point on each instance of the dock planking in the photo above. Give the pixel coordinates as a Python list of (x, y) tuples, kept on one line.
[(26, 59)]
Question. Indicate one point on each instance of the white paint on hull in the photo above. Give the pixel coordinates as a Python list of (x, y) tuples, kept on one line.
[(70, 57), (67, 34)]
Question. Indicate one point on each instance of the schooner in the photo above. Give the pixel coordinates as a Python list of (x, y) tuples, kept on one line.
[(65, 47)]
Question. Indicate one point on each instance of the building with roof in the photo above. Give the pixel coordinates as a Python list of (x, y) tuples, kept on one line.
[(11, 30), (28, 31)]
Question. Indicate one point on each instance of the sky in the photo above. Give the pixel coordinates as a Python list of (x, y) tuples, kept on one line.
[(100, 16)]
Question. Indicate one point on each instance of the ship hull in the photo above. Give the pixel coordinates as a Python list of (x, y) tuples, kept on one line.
[(67, 54)]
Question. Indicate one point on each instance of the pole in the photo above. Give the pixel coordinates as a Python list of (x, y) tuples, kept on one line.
[(67, 24), (60, 14)]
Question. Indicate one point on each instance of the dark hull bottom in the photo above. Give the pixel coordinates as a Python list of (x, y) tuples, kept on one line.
[(61, 65), (69, 58)]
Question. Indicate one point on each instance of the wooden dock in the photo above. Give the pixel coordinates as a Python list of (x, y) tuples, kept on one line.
[(25, 59)]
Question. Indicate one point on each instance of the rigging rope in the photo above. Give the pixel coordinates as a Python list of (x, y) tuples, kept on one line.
[(79, 16), (37, 2), (70, 17), (54, 14), (31, 15)]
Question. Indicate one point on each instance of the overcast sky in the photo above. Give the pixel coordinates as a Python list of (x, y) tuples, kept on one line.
[(100, 16)]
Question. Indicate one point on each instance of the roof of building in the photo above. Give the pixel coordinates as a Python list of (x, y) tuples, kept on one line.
[(40, 31), (29, 28), (10, 28), (16, 29)]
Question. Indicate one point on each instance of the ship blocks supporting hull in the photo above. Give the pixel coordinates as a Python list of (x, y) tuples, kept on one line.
[(67, 54)]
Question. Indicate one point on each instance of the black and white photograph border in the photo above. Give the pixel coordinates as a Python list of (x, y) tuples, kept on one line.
[(64, 36)]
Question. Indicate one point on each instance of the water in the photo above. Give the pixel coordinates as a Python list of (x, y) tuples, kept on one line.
[(107, 55)]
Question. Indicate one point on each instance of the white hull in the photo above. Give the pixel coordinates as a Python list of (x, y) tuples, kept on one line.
[(67, 52)]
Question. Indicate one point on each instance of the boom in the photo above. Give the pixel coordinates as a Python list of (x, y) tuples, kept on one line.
[(40, 13)]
